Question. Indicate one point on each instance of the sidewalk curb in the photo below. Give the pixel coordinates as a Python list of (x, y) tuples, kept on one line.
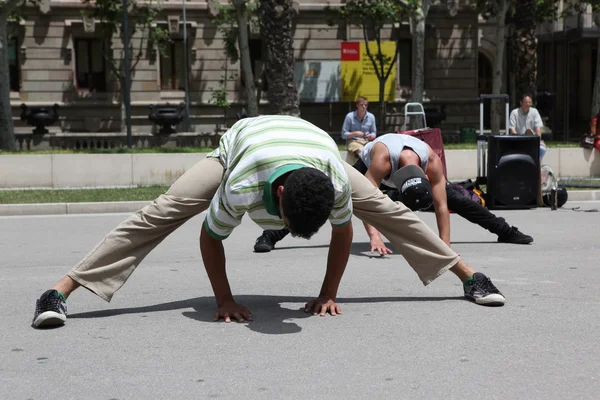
[(132, 206), (584, 195), (71, 208)]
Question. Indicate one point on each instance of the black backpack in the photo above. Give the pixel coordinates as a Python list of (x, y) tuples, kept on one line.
[(470, 190)]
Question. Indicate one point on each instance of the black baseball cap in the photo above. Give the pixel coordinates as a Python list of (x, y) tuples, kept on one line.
[(414, 188)]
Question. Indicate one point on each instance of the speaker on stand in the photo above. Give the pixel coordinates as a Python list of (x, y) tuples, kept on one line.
[(513, 171)]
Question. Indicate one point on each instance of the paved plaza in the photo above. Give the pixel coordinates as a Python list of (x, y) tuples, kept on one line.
[(396, 338)]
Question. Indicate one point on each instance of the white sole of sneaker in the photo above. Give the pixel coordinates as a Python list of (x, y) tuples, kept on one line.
[(48, 319), (491, 300)]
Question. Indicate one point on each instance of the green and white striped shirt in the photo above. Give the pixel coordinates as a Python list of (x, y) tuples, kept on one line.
[(257, 150)]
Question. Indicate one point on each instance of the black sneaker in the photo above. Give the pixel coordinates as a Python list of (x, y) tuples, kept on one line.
[(50, 310), (515, 237), (266, 242), (482, 291)]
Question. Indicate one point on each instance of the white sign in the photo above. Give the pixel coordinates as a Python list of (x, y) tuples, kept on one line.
[(318, 81)]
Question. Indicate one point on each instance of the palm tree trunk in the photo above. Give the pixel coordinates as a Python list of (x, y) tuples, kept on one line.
[(276, 30), (7, 137), (525, 45), (596, 92)]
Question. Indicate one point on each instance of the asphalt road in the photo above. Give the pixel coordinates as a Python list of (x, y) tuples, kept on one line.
[(396, 338)]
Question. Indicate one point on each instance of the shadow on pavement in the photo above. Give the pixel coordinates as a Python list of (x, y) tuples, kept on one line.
[(357, 249), (270, 317)]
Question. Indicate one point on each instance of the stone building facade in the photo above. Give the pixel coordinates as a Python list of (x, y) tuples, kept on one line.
[(567, 56), (54, 58)]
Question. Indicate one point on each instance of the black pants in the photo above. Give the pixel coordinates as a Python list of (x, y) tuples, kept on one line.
[(475, 212)]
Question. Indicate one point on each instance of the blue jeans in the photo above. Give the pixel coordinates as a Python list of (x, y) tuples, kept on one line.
[(542, 152)]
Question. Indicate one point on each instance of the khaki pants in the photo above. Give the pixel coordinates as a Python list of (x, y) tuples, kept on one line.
[(108, 266), (353, 148)]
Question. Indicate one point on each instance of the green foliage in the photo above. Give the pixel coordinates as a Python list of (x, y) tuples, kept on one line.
[(14, 8), (578, 7), (227, 25), (80, 196), (546, 10), (219, 94), (141, 17), (369, 14)]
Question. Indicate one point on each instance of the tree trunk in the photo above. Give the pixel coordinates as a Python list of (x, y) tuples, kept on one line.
[(381, 124), (7, 137), (276, 29), (418, 44), (596, 92), (123, 110), (126, 81), (525, 45), (498, 71), (242, 19)]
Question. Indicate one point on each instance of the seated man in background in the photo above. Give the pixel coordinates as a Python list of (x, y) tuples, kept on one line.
[(358, 129), (382, 158), (526, 120)]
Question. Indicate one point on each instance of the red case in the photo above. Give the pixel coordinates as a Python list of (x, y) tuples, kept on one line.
[(433, 137)]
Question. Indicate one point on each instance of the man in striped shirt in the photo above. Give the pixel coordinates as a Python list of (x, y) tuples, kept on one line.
[(282, 171)]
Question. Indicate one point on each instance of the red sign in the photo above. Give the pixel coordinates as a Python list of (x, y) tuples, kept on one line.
[(350, 51)]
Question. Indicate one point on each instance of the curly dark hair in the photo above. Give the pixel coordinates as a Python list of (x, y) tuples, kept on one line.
[(307, 201)]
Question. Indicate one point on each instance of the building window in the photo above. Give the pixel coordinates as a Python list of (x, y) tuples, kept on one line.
[(405, 62), (90, 65), (594, 64), (172, 67), (485, 74), (13, 65), (256, 60)]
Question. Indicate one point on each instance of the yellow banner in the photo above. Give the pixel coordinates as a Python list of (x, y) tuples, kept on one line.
[(358, 74)]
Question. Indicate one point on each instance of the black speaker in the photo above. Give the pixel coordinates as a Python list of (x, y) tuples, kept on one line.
[(513, 170)]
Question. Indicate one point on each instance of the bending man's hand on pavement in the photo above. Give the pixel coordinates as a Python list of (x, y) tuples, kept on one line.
[(233, 310), (323, 305), (378, 245)]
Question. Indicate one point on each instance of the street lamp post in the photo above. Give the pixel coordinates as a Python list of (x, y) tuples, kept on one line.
[(126, 73)]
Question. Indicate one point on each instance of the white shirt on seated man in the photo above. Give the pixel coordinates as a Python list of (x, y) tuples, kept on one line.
[(526, 120)]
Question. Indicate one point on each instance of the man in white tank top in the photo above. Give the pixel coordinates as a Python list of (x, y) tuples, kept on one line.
[(383, 157)]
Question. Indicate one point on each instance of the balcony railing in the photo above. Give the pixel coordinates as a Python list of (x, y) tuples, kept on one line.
[(583, 20)]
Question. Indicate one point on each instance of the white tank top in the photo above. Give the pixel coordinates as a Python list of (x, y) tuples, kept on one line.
[(395, 143)]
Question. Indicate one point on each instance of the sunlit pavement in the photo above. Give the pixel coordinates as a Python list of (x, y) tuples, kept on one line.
[(396, 338)]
